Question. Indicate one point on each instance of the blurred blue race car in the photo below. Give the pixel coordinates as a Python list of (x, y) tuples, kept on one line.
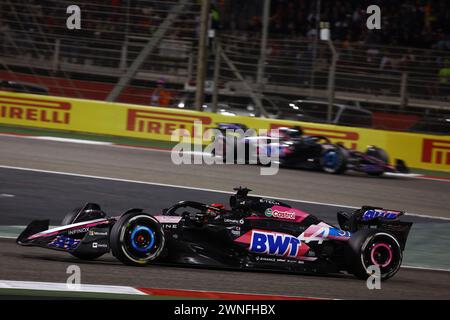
[(297, 150)]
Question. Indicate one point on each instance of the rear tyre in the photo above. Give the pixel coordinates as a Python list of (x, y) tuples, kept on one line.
[(378, 153), (137, 239), (374, 247), (333, 160), (69, 219)]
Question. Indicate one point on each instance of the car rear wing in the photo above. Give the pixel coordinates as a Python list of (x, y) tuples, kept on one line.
[(376, 217)]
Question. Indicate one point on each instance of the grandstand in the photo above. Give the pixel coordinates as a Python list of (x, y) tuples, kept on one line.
[(399, 71)]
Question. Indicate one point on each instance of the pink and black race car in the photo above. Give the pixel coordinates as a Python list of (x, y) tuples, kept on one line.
[(253, 233), (296, 150)]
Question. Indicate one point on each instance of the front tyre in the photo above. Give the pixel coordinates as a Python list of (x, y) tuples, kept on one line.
[(378, 153), (374, 248), (376, 173), (137, 239), (333, 160), (69, 218)]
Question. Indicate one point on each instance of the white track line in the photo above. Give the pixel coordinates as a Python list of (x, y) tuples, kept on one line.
[(92, 288), (403, 175), (426, 268), (150, 149), (55, 286), (201, 189), (57, 139)]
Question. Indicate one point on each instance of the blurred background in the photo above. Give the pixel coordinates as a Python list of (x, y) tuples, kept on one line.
[(259, 58)]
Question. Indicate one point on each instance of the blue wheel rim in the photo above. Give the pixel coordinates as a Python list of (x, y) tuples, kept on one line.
[(330, 159), (143, 229)]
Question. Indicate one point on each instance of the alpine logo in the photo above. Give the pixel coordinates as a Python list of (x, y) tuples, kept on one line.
[(376, 213), (278, 244)]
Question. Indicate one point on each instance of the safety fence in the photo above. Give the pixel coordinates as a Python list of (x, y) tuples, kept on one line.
[(404, 88)]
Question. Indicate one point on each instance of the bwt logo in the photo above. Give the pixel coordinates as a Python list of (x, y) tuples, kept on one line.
[(347, 138), (436, 151), (38, 110), (164, 123), (277, 244)]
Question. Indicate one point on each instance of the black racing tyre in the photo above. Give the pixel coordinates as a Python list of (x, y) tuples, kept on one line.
[(374, 247), (223, 152), (86, 256), (376, 173), (90, 211), (137, 239), (231, 145), (378, 153), (333, 160), (214, 151), (68, 219)]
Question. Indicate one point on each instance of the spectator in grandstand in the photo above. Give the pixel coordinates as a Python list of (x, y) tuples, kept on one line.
[(443, 41), (442, 86), (215, 17), (444, 74), (160, 96)]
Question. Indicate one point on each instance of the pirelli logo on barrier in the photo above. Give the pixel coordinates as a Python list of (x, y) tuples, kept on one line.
[(436, 151), (35, 110), (164, 123), (347, 138)]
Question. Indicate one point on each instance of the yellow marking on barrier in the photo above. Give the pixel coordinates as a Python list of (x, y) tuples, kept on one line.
[(418, 150)]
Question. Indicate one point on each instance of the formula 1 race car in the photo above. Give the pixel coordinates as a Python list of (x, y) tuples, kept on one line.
[(296, 150), (253, 233)]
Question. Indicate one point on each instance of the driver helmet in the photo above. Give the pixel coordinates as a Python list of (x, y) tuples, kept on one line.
[(220, 206), (290, 133)]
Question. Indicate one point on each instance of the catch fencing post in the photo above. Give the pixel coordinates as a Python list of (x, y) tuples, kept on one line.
[(331, 81), (403, 89), (123, 55), (325, 35), (247, 87), (202, 58), (148, 48), (216, 75), (56, 54), (263, 51)]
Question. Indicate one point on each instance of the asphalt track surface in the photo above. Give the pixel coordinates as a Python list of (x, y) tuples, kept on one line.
[(45, 195), (412, 195)]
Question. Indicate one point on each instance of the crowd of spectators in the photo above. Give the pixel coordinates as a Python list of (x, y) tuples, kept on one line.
[(413, 23), (100, 19), (33, 26), (410, 23)]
